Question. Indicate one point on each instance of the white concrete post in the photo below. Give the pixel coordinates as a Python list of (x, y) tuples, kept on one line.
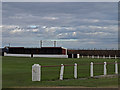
[(98, 56), (78, 56), (61, 72), (104, 56), (115, 57), (88, 56), (5, 54), (109, 57), (36, 72), (82, 56), (116, 67), (105, 69), (75, 70), (66, 51), (91, 69), (72, 55)]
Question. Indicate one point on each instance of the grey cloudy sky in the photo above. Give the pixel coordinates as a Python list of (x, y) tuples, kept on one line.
[(60, 0), (87, 25)]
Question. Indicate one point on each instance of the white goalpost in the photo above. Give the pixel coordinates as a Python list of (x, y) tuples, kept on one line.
[(48, 43)]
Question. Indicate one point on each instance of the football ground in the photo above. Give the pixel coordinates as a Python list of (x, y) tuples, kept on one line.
[(17, 72)]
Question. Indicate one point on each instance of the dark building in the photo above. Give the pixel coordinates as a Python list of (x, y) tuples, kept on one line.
[(2, 50), (59, 51), (42, 50), (70, 55), (95, 52)]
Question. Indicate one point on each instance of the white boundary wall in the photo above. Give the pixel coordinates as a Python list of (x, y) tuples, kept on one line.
[(17, 55), (52, 56), (36, 55), (109, 57)]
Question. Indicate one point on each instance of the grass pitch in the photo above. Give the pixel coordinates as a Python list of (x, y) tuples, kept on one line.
[(17, 72)]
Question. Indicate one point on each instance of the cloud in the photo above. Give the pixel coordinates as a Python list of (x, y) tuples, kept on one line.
[(50, 18), (92, 42), (62, 1), (9, 26), (35, 30), (32, 27), (16, 31), (89, 23), (91, 20), (78, 32), (100, 34)]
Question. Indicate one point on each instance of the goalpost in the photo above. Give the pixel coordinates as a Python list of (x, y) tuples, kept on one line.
[(48, 43)]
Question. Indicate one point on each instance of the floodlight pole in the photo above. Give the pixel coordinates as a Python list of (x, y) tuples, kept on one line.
[(9, 44), (40, 43), (55, 42)]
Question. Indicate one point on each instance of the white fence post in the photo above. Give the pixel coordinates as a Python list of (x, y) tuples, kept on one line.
[(98, 56), (78, 56), (104, 56), (75, 70), (116, 67), (91, 69), (61, 72), (36, 72), (82, 56), (72, 55), (5, 54), (115, 57), (109, 57), (92, 56), (105, 69), (88, 56)]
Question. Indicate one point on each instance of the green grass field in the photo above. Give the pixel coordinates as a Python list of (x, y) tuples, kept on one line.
[(17, 72)]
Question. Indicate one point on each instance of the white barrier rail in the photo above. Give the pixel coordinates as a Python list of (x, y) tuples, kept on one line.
[(59, 56), (18, 55), (53, 56), (36, 55), (100, 57)]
